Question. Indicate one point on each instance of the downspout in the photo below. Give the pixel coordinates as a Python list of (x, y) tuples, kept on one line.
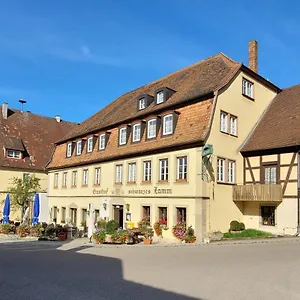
[(206, 229)]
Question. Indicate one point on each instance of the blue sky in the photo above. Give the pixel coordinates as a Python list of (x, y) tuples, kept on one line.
[(74, 57)]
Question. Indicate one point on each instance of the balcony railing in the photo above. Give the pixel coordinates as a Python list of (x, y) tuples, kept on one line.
[(257, 192)]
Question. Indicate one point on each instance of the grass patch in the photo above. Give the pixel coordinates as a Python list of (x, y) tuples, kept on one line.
[(248, 233)]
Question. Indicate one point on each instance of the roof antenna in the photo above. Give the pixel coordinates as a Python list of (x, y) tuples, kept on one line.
[(22, 101)]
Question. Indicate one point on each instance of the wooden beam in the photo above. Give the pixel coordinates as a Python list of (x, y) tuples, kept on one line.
[(289, 173), (250, 169)]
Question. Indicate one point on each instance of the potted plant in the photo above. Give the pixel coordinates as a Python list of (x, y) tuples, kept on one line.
[(159, 226), (99, 236), (22, 230), (148, 234)]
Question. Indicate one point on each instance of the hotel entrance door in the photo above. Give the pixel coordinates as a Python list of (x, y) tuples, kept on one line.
[(118, 214)]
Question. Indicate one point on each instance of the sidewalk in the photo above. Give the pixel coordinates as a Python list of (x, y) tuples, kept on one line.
[(84, 242)]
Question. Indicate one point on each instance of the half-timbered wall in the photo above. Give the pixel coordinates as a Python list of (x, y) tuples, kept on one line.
[(285, 166)]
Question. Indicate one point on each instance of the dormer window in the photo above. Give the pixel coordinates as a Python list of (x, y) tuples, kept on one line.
[(102, 142), (78, 148), (69, 150), (159, 97), (151, 129), (142, 103), (123, 136), (168, 124), (14, 154), (90, 144), (136, 133)]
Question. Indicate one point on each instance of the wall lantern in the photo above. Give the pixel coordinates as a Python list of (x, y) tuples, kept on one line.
[(104, 206), (127, 206)]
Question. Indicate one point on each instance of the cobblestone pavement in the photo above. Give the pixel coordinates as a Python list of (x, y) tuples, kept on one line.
[(245, 270)]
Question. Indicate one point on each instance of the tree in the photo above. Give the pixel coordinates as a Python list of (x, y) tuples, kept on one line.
[(22, 191)]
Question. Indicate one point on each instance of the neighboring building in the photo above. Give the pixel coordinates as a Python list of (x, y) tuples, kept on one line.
[(142, 154), (269, 194), (27, 143)]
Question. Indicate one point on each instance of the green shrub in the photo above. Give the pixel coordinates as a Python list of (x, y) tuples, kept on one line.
[(236, 226), (242, 226), (112, 226), (101, 224)]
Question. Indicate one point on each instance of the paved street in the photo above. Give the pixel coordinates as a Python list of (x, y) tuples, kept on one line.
[(38, 271)]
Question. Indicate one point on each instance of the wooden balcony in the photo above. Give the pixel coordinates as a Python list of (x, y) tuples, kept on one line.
[(258, 192)]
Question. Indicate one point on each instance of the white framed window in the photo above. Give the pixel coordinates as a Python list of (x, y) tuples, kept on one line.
[(69, 150), (182, 168), (221, 169), (97, 179), (163, 170), (147, 171), (85, 177), (231, 171), (247, 88), (56, 180), (224, 122), (160, 97), (151, 129), (136, 133), (64, 179), (102, 142), (14, 154), (90, 144), (74, 178), (142, 103), (119, 173), (131, 172), (168, 125), (78, 147), (233, 125), (122, 136)]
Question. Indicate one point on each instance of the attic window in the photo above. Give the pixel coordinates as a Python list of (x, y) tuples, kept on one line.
[(78, 147), (142, 103), (14, 154), (160, 97), (90, 145), (69, 150), (122, 136)]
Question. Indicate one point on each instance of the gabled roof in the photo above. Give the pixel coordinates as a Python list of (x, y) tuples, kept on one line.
[(279, 127), (33, 134), (191, 82)]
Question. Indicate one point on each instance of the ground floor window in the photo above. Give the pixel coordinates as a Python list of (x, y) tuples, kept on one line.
[(181, 214), (63, 215), (97, 213), (163, 213), (54, 214), (268, 215), (73, 213), (84, 217), (146, 211)]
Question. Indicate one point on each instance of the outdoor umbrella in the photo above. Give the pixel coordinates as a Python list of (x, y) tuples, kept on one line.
[(6, 210), (36, 209)]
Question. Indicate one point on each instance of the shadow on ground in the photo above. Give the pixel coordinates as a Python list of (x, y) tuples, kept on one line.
[(36, 271)]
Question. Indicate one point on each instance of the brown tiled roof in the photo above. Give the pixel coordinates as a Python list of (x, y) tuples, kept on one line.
[(13, 143), (192, 127), (279, 127), (191, 82), (35, 133)]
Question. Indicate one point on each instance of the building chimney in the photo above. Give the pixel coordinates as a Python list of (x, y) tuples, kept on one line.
[(253, 56), (4, 110), (57, 118)]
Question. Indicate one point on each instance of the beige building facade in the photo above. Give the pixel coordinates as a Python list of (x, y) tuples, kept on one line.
[(193, 170), (26, 142)]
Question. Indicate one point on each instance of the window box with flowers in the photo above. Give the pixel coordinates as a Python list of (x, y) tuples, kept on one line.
[(159, 226)]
